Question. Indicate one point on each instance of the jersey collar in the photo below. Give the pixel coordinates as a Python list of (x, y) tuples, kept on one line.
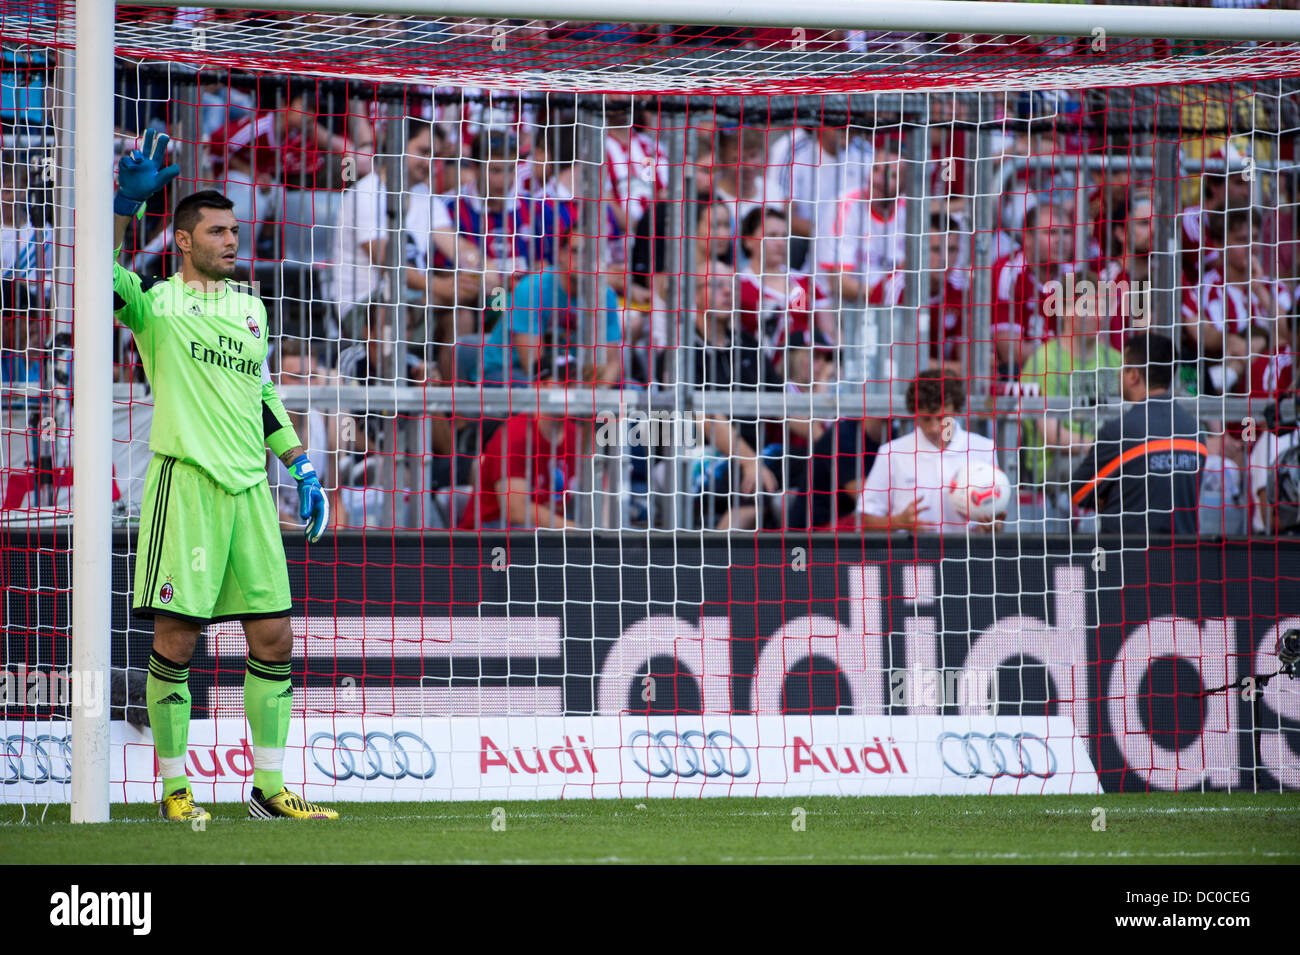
[(195, 294)]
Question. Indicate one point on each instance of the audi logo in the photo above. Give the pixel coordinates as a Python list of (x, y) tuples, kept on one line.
[(993, 755), (709, 755), (37, 759), (406, 756)]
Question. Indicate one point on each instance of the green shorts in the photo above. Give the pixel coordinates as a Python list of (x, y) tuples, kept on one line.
[(204, 554)]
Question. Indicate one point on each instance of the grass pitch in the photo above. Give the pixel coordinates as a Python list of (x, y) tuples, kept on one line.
[(1156, 828)]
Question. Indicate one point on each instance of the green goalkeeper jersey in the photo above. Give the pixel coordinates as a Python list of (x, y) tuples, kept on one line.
[(205, 357)]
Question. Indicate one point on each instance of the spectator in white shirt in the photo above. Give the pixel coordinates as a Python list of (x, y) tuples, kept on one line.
[(26, 252), (361, 238), (1272, 444), (866, 240), (812, 169), (429, 234), (907, 488)]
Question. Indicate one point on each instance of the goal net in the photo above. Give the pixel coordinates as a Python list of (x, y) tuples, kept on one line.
[(705, 410)]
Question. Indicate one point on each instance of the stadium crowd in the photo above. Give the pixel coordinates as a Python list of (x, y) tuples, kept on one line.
[(799, 231)]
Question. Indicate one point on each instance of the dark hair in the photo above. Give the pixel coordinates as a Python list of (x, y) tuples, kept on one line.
[(300, 87), (1034, 211), (698, 208), (1152, 356), (495, 144), (934, 388), (556, 364), (753, 220), (558, 141), (190, 209), (1236, 218), (415, 127)]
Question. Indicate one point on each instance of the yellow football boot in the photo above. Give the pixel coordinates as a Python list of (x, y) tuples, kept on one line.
[(285, 805), (180, 806)]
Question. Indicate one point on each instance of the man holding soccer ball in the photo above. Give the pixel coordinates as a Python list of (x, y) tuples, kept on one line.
[(914, 483), (209, 547)]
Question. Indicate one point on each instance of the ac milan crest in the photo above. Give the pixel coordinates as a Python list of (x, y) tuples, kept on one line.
[(252, 327), (165, 595)]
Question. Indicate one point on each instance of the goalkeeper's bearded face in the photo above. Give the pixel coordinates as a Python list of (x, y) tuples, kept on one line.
[(213, 244)]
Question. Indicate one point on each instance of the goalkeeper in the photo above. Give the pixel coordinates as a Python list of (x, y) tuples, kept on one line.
[(209, 547)]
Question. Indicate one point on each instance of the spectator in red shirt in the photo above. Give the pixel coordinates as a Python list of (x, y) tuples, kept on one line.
[(527, 469), (947, 299), (773, 302), (255, 156), (867, 238), (1125, 280), (1022, 286), (1199, 222), (1233, 314)]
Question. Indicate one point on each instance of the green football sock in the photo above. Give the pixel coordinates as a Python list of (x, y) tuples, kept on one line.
[(268, 703), (167, 693)]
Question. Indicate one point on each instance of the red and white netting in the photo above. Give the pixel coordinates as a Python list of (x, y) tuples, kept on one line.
[(770, 583)]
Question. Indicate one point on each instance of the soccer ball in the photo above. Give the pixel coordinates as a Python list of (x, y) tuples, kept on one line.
[(980, 492)]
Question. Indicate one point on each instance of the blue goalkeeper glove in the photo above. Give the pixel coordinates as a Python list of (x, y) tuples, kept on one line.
[(141, 173), (313, 506)]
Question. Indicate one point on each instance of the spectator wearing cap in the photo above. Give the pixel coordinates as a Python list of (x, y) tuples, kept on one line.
[(907, 488), (541, 309), (527, 469), (1143, 473)]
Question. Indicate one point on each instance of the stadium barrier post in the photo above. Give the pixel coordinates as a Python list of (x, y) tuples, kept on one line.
[(913, 178), (1164, 225), (984, 222), (676, 261), (588, 191)]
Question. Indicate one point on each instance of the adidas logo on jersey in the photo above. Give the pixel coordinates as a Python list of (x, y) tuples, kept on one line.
[(173, 698)]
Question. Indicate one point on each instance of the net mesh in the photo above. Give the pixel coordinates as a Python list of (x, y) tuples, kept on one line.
[(819, 342)]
